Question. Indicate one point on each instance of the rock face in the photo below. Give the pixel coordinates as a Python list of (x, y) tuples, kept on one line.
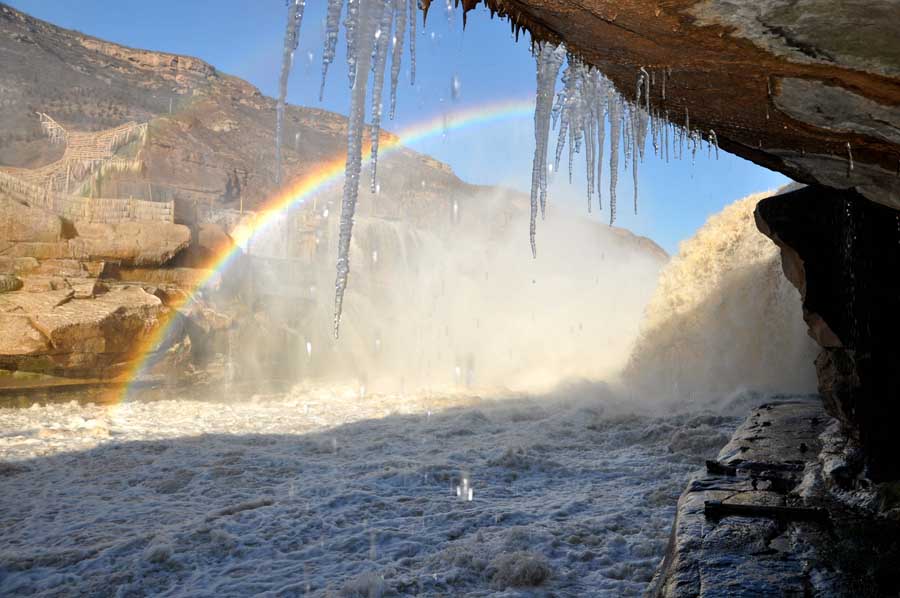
[(20, 223), (760, 520), (843, 255), (92, 336), (209, 144), (716, 554), (27, 232), (788, 85), (130, 243)]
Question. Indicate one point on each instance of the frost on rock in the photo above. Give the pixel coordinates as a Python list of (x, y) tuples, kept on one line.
[(291, 41)]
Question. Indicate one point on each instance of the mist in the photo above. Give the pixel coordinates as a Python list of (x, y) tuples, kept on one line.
[(461, 304)]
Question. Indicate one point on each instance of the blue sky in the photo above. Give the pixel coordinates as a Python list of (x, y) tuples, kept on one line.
[(244, 38)]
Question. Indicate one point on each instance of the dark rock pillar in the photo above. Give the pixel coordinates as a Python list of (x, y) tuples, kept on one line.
[(843, 253)]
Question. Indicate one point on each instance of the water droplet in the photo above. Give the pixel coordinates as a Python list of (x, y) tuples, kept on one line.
[(455, 87)]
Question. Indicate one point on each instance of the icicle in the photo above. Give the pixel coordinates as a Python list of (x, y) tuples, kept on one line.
[(626, 132), (634, 174), (694, 138), (573, 128), (715, 142), (646, 90), (350, 24), (589, 117), (561, 142), (332, 24), (666, 139), (291, 41), (396, 57), (412, 42), (601, 100), (549, 59), (362, 41), (615, 126), (382, 40), (850, 159)]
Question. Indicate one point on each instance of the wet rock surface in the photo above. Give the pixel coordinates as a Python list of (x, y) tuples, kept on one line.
[(843, 255), (761, 520)]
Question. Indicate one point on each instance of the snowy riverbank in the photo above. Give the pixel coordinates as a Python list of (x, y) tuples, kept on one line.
[(326, 493)]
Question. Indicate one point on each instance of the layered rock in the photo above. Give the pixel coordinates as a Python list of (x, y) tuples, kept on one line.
[(92, 336), (805, 88), (843, 254), (761, 521), (81, 301)]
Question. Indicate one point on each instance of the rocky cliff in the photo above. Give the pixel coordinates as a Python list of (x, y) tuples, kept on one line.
[(809, 88), (210, 140), (843, 253)]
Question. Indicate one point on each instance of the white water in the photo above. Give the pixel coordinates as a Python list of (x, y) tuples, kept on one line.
[(322, 493), (724, 316), (348, 491)]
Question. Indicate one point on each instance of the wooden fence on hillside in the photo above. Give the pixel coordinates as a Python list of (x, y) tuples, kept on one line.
[(74, 207)]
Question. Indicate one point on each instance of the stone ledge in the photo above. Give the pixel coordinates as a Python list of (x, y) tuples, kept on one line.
[(738, 529)]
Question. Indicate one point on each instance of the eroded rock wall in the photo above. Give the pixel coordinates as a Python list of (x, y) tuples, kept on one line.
[(797, 87), (843, 255)]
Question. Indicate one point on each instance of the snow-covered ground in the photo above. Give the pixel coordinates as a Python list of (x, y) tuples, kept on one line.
[(326, 493)]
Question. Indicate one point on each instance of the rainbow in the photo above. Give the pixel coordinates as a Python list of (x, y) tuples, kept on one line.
[(297, 193)]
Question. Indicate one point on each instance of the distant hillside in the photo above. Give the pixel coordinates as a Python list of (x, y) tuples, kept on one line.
[(220, 128), (215, 148)]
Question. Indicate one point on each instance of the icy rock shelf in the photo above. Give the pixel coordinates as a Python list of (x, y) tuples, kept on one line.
[(375, 31)]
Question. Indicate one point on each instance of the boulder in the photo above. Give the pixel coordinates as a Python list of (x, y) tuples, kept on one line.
[(9, 283), (17, 265), (753, 524), (131, 243), (84, 335), (210, 241), (21, 223)]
